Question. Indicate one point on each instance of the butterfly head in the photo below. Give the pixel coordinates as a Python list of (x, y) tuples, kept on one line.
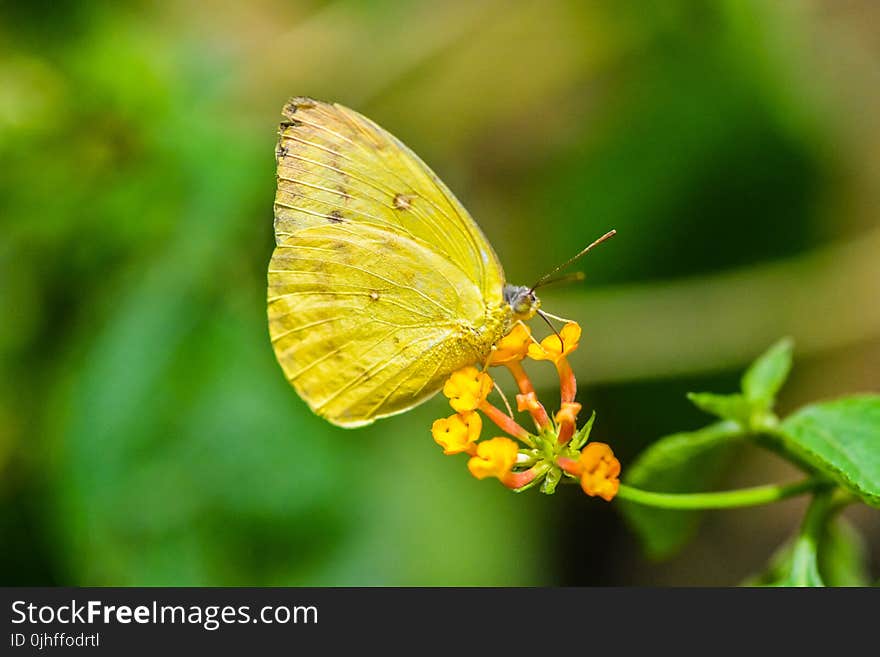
[(522, 300)]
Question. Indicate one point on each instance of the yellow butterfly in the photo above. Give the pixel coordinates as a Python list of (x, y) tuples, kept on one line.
[(381, 284)]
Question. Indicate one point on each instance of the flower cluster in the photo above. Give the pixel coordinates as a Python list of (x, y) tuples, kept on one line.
[(522, 459)]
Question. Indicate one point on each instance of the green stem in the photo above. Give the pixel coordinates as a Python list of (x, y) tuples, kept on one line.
[(774, 440), (722, 500), (841, 498), (805, 554)]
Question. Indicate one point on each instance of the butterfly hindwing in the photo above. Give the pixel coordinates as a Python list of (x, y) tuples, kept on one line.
[(364, 322)]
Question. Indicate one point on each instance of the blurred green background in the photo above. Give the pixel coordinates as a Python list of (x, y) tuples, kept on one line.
[(147, 435)]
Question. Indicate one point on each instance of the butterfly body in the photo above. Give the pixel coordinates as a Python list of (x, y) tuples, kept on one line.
[(380, 284)]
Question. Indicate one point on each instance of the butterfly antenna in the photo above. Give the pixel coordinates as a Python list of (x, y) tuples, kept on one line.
[(543, 280), (504, 397), (562, 278), (546, 319)]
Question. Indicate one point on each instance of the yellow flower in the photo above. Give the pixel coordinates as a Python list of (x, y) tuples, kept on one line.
[(495, 458), (512, 347), (550, 347), (457, 433), (599, 471), (467, 388)]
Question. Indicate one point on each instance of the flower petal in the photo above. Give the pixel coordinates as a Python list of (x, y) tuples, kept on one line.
[(512, 347), (600, 471), (456, 433), (467, 388), (495, 458)]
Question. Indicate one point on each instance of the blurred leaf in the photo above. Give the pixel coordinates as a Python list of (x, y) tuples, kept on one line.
[(760, 383), (766, 375), (803, 568), (727, 407), (681, 463), (822, 554), (841, 439), (842, 560), (843, 557), (776, 571)]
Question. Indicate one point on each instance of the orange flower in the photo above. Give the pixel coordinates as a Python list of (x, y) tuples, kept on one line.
[(551, 348), (599, 471), (467, 388), (513, 347), (548, 453), (495, 458), (457, 433), (528, 402), (568, 413), (566, 419)]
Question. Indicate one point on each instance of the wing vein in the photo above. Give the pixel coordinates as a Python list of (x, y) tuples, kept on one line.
[(371, 371), (333, 352), (435, 227), (444, 309), (458, 220)]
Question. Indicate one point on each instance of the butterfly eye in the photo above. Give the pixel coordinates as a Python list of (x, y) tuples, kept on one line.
[(523, 306)]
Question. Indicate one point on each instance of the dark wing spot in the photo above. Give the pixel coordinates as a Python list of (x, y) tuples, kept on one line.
[(403, 202), (335, 217), (293, 123), (303, 102), (298, 103), (281, 152)]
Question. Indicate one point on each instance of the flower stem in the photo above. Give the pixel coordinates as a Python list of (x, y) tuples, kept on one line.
[(567, 382), (506, 423), (524, 383), (730, 499)]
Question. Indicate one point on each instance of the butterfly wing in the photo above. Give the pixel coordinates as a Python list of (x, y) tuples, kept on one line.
[(381, 284)]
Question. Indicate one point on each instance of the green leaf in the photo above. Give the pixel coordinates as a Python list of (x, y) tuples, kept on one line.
[(842, 559), (776, 571), (551, 481), (760, 383), (765, 377), (728, 407), (680, 463), (842, 439), (583, 434), (804, 566)]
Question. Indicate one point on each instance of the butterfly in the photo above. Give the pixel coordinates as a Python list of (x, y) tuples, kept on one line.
[(381, 284)]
